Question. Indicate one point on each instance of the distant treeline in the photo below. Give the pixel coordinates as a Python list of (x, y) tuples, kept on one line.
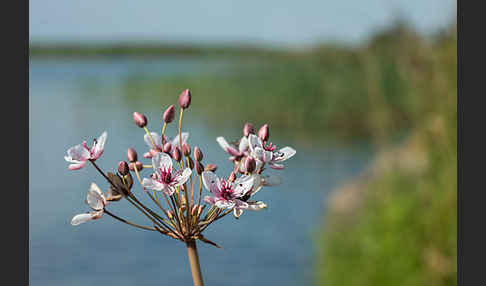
[(147, 49)]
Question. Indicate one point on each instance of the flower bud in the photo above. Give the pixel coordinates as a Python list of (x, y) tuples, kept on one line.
[(168, 115), (176, 154), (167, 147), (191, 163), (137, 164), (132, 155), (248, 129), (250, 164), (194, 210), (211, 167), (123, 168), (198, 155), (186, 149), (199, 168), (199, 210), (232, 177), (185, 99), (139, 119), (264, 133)]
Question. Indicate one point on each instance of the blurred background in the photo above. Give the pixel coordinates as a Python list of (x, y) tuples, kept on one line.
[(365, 91)]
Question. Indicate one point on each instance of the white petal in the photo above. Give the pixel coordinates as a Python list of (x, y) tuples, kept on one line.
[(156, 137), (77, 166), (267, 156), (276, 166), (81, 218), (152, 184), (256, 206), (169, 190), (100, 145), (71, 160), (184, 136), (259, 165), (182, 178), (257, 183), (244, 144), (161, 161), (222, 142), (286, 153), (237, 212), (211, 182), (258, 153), (78, 153), (224, 204), (239, 204), (227, 147), (254, 142), (242, 185), (95, 199)]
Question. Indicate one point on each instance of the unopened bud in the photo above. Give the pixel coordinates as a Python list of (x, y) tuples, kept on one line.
[(123, 168), (210, 167), (264, 133), (132, 155), (137, 164), (199, 168), (176, 154), (250, 164), (191, 163), (140, 119), (198, 155), (169, 114), (194, 210), (232, 177), (167, 147), (185, 99), (248, 129), (186, 149), (199, 210)]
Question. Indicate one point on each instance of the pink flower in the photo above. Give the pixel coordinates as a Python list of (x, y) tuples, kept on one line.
[(165, 178), (161, 143), (97, 201), (227, 195), (78, 155), (266, 152)]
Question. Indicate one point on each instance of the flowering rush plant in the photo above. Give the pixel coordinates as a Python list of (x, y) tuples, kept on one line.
[(176, 180)]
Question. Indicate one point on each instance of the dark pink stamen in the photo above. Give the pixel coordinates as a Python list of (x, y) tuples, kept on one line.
[(165, 176), (269, 146), (226, 189), (87, 148)]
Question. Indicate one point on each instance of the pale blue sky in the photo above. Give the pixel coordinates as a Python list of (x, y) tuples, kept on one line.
[(277, 22)]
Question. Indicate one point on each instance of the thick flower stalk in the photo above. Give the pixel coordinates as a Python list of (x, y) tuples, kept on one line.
[(175, 178)]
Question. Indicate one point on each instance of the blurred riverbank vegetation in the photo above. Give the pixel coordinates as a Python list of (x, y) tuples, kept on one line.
[(397, 223)]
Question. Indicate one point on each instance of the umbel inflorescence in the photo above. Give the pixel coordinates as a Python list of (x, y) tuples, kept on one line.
[(178, 176)]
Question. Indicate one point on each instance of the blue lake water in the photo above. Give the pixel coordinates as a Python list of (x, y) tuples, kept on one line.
[(75, 100)]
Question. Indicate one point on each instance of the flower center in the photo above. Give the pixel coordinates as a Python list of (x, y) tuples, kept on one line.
[(91, 151), (226, 191), (165, 176), (269, 146)]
